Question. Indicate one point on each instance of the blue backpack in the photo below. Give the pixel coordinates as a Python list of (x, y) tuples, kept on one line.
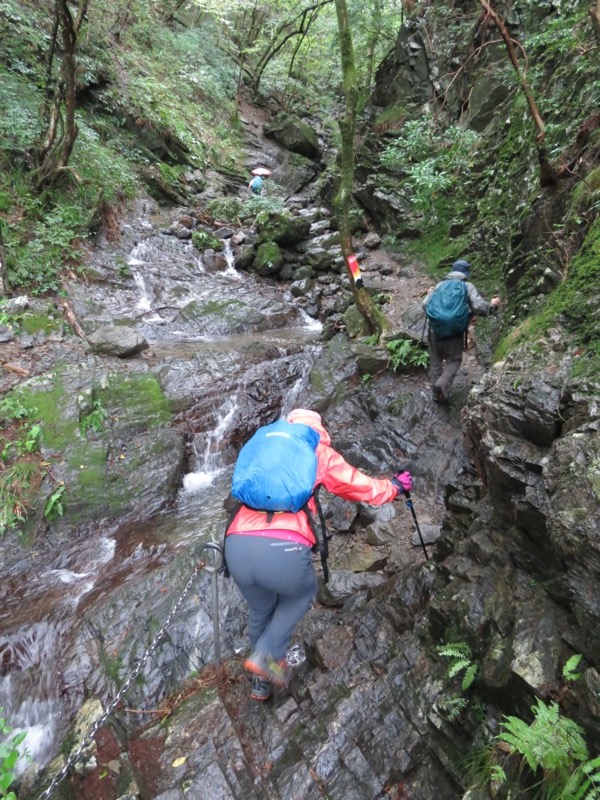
[(448, 308), (256, 184), (276, 469)]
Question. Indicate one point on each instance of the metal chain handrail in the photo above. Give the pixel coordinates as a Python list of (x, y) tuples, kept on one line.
[(76, 755)]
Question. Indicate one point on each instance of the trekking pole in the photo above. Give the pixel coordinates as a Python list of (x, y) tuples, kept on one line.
[(409, 504)]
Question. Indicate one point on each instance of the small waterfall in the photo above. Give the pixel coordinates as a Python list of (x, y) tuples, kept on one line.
[(291, 400), (310, 323), (29, 693), (231, 271), (32, 676), (208, 462), (136, 260)]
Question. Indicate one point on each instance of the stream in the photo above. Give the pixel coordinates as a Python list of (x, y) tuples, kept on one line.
[(46, 611), (230, 352)]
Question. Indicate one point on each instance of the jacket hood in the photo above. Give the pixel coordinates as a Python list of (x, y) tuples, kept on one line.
[(310, 418), (455, 275)]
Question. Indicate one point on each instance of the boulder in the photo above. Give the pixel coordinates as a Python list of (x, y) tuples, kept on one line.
[(268, 259), (294, 134), (282, 227), (117, 340)]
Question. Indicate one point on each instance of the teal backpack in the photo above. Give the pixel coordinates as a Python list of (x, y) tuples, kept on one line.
[(448, 309)]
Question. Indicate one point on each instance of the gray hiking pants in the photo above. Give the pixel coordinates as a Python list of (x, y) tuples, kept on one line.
[(278, 581), (445, 358)]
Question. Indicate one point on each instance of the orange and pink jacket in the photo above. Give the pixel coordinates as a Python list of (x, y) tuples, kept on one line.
[(333, 473)]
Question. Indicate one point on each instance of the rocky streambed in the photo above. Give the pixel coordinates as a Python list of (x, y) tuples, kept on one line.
[(508, 473)]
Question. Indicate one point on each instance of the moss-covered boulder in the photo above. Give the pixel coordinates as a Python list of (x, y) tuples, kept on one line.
[(282, 227), (294, 134), (269, 259), (220, 317), (331, 375), (106, 437)]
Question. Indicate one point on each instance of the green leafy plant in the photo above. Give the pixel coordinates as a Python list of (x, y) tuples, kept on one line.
[(9, 755), (406, 353), (30, 439), (95, 419), (555, 746), (452, 707), (9, 319), (431, 159), (569, 671), (461, 661), (54, 507), (13, 408), (203, 240), (14, 483)]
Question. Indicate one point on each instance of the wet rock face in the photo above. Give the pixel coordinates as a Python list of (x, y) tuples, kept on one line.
[(106, 431), (523, 542), (295, 135)]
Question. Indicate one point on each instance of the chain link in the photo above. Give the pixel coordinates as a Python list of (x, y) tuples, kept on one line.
[(75, 756)]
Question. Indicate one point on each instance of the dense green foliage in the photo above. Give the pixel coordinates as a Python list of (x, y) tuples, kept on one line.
[(152, 100), (9, 755), (553, 751), (475, 194)]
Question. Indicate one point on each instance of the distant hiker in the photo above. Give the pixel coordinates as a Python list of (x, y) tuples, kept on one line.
[(269, 553), (256, 184), (449, 307)]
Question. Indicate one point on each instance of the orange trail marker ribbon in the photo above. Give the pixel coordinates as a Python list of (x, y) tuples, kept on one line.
[(355, 270)]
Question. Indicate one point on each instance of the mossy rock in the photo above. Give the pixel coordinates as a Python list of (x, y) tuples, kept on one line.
[(205, 240), (129, 466), (355, 323), (268, 259), (282, 227), (331, 373)]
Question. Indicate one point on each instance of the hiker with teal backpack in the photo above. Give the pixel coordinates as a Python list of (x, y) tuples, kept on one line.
[(449, 306), (271, 534), (256, 184)]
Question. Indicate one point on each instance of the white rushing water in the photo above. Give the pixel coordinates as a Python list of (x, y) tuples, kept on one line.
[(231, 271), (208, 462)]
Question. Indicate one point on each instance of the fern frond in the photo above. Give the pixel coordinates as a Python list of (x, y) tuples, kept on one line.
[(455, 650), (568, 671), (457, 667), (469, 677), (521, 746)]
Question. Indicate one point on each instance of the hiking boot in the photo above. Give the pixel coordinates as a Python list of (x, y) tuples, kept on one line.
[(261, 690), (265, 666), (439, 396)]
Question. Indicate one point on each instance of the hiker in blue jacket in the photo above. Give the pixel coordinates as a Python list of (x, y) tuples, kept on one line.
[(445, 352)]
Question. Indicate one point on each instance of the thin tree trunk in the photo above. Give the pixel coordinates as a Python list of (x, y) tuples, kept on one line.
[(512, 54), (53, 156), (595, 16), (4, 282), (364, 302), (548, 174)]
